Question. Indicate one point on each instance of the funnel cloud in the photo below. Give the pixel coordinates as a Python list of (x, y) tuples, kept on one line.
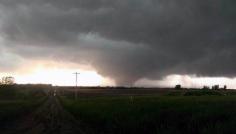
[(124, 40)]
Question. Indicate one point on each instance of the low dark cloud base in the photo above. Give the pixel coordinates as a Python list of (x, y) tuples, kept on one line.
[(126, 40)]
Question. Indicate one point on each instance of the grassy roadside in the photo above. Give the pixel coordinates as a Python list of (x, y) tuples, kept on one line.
[(155, 114), (17, 102), (11, 111)]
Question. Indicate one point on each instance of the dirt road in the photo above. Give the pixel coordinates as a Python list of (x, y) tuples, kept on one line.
[(50, 118)]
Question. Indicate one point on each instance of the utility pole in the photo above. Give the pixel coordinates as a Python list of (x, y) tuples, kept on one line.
[(76, 84)]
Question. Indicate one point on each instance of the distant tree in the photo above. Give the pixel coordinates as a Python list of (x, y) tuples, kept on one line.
[(206, 87), (216, 87), (8, 80), (178, 87), (225, 87)]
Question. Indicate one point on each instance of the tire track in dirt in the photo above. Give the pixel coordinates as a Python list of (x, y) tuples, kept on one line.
[(50, 118)]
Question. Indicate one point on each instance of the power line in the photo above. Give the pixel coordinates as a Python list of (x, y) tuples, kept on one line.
[(76, 84), (76, 78)]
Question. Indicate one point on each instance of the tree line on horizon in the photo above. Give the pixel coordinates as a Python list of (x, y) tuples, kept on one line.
[(7, 80)]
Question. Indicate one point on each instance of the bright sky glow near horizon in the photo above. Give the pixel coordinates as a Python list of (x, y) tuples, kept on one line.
[(65, 77), (91, 78), (58, 74), (114, 42)]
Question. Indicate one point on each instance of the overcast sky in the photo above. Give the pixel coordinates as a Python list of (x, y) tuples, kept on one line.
[(126, 40)]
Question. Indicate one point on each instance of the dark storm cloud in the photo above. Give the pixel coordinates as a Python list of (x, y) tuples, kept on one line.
[(126, 40), (8, 61)]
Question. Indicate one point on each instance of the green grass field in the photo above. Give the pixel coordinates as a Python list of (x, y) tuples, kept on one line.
[(18, 101), (195, 112), (123, 111)]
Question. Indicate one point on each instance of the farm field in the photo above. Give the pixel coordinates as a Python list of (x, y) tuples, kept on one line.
[(55, 110), (195, 112), (117, 67), (16, 102)]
